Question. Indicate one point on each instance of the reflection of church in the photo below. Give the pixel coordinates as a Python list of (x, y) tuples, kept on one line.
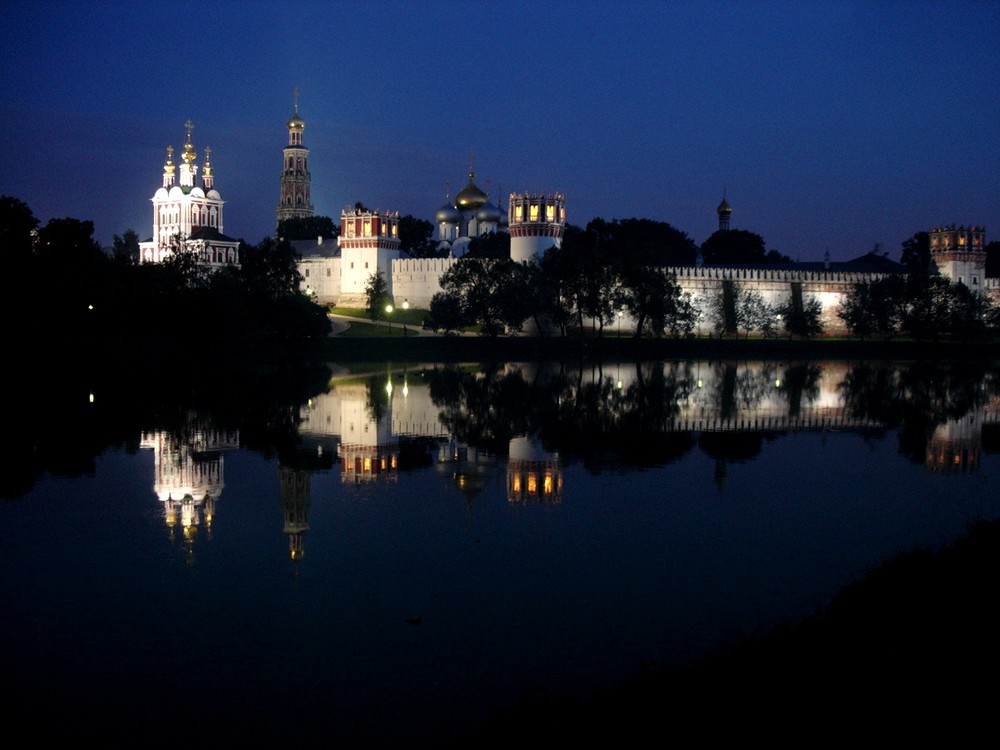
[(533, 473), (954, 447), (188, 477)]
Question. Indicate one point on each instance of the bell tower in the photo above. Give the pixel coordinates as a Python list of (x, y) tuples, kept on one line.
[(295, 201)]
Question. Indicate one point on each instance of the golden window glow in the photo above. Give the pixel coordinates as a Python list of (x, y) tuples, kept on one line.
[(547, 485), (516, 484), (550, 213), (533, 212), (368, 229), (368, 465), (518, 212), (532, 483)]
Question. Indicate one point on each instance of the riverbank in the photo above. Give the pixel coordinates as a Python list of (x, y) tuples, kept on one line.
[(520, 348), (906, 653)]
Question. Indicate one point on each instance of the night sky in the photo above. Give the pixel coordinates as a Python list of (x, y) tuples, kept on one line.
[(831, 126)]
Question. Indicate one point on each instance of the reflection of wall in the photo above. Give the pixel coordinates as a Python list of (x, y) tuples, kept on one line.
[(188, 476), (955, 446), (533, 474)]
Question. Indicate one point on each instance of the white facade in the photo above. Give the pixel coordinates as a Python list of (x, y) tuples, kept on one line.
[(186, 215)]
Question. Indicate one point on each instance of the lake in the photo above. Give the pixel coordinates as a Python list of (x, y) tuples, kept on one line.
[(382, 554)]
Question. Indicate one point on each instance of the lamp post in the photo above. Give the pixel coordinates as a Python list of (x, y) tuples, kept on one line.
[(388, 312), (406, 306), (621, 313)]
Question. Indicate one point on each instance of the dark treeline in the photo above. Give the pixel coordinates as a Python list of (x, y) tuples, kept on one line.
[(60, 288)]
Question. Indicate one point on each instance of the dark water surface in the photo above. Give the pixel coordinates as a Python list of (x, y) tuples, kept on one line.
[(387, 565)]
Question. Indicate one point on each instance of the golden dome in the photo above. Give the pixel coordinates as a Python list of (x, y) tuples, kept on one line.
[(470, 198)]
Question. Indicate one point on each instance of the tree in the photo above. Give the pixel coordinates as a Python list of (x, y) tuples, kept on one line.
[(271, 267), (376, 295), (993, 259), (753, 313), (17, 230), (493, 293), (125, 249), (916, 254), (801, 316), (643, 242), (738, 247), (306, 228), (490, 245), (415, 238)]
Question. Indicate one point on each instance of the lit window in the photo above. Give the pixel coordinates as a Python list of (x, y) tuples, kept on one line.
[(368, 229), (533, 212), (550, 213), (518, 212)]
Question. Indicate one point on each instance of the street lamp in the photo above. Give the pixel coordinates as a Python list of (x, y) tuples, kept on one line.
[(388, 312), (406, 306), (620, 314)]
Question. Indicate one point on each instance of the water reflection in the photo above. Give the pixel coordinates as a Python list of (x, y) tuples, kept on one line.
[(553, 524)]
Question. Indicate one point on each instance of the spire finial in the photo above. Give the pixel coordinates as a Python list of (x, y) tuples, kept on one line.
[(472, 171), (296, 94)]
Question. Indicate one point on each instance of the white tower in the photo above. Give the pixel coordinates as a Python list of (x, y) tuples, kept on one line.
[(960, 254), (536, 222)]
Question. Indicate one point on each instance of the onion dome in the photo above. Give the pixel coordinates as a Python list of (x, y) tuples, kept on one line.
[(488, 214), (470, 198), (724, 208), (448, 214), (295, 122)]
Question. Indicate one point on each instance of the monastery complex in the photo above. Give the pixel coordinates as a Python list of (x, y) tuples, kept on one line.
[(335, 270)]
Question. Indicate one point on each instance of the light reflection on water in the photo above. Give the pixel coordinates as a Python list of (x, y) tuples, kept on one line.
[(434, 550)]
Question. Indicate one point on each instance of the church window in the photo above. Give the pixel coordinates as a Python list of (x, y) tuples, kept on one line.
[(550, 212), (328, 272), (306, 273), (533, 212), (366, 264), (352, 264), (518, 212), (367, 229), (975, 281)]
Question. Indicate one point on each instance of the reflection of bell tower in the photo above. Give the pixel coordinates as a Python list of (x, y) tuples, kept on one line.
[(955, 446), (295, 497), (533, 474)]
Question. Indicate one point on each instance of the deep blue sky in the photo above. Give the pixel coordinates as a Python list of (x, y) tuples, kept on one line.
[(830, 125)]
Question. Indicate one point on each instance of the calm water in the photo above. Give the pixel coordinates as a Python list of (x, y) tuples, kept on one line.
[(385, 561)]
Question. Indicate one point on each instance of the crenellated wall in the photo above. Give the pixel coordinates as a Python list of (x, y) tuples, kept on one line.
[(416, 280)]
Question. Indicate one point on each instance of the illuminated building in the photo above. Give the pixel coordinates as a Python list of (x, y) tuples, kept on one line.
[(960, 254), (468, 216), (188, 216), (295, 201), (536, 222)]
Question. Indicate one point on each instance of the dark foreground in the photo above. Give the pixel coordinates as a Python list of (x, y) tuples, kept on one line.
[(911, 652)]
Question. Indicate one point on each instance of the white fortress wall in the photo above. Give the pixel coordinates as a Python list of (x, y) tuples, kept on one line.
[(322, 276), (417, 280)]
